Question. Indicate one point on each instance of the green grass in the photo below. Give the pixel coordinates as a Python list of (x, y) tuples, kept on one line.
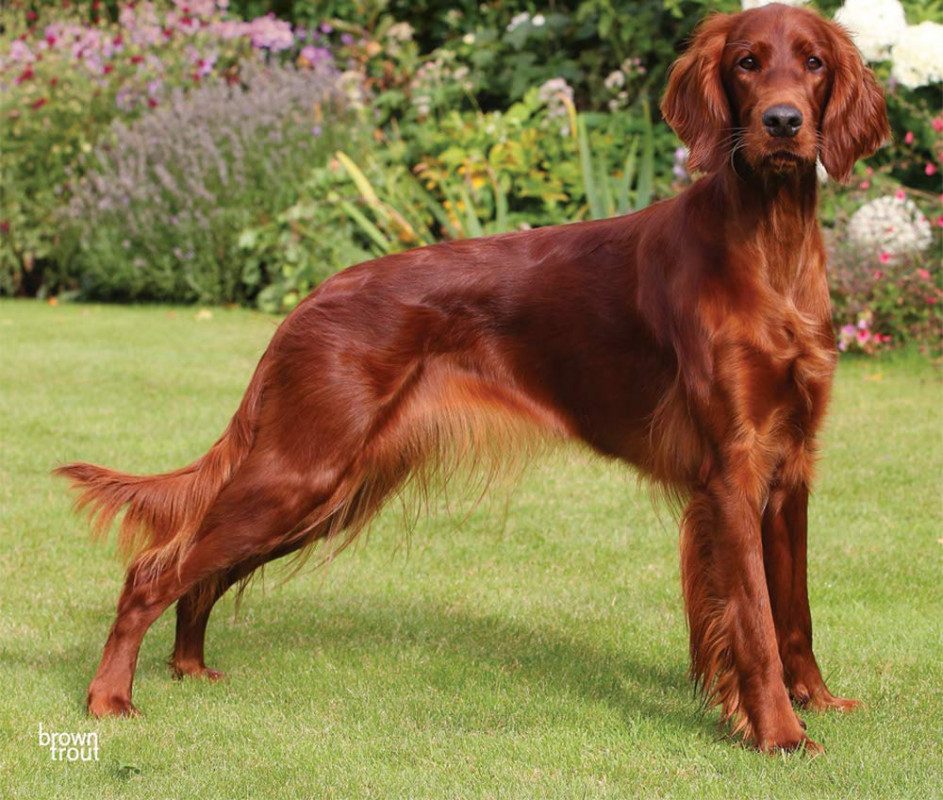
[(535, 651)]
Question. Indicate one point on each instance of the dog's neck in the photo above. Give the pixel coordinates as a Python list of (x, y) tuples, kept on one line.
[(766, 207)]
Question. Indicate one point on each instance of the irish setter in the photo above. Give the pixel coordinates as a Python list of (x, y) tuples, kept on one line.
[(691, 339)]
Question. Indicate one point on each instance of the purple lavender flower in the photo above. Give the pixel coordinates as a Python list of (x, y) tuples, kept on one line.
[(316, 55), (193, 173)]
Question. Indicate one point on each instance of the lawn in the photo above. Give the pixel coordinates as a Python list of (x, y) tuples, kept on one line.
[(537, 649)]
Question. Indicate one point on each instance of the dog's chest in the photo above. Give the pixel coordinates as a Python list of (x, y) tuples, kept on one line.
[(800, 365)]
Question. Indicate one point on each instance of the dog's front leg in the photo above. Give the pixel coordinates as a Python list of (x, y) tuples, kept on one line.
[(785, 525), (734, 652)]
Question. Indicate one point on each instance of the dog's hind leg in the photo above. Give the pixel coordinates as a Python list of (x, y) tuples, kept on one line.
[(262, 514), (248, 521), (194, 609), (193, 614)]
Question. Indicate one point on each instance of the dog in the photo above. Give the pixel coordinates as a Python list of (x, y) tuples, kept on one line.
[(691, 339)]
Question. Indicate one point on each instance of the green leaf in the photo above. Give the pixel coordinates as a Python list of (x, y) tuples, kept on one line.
[(646, 178), (472, 221), (369, 229), (628, 175)]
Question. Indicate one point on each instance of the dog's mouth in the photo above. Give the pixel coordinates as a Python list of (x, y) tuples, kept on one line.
[(785, 160)]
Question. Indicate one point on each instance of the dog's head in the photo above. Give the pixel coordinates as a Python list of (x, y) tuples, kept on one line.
[(778, 85)]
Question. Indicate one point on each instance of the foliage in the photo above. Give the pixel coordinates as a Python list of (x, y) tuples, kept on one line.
[(879, 301), (886, 282), (64, 80), (509, 47), (461, 118), (480, 174), (66, 73), (286, 256), (159, 211)]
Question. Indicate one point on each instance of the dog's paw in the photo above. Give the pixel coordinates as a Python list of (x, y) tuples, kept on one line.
[(103, 704), (823, 700), (193, 670), (792, 744)]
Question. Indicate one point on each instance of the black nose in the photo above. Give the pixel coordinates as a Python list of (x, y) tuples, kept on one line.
[(783, 121)]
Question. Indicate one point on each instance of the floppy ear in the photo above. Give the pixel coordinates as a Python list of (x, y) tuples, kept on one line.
[(695, 103), (855, 121)]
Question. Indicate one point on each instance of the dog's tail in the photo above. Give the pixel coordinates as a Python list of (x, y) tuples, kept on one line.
[(164, 512)]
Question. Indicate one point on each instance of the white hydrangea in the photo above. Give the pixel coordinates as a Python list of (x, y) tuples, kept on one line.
[(400, 32), (517, 20), (874, 25), (615, 80), (918, 55), (892, 224), (746, 5)]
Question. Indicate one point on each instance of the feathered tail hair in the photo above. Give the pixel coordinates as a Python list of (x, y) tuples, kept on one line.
[(164, 512)]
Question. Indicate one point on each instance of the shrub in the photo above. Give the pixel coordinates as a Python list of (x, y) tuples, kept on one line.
[(158, 214), (883, 293), (66, 73), (539, 163), (511, 46), (62, 81), (877, 304)]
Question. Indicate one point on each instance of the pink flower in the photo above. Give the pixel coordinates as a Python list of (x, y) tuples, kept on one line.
[(939, 220), (930, 169), (884, 258), (878, 274), (38, 104), (314, 55), (864, 185), (271, 33), (900, 194), (925, 274), (909, 137), (863, 335), (20, 52), (938, 124)]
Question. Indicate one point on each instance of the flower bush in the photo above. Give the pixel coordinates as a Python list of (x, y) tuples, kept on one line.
[(126, 177), (892, 225), (65, 78), (158, 212), (879, 303)]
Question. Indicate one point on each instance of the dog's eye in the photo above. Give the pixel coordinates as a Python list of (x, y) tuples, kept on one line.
[(748, 63), (814, 64)]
